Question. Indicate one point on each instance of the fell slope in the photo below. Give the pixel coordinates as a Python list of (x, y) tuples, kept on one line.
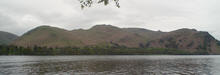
[(184, 39), (49, 37), (7, 38), (107, 34)]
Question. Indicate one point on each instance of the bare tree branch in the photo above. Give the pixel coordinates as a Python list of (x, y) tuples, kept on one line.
[(89, 3)]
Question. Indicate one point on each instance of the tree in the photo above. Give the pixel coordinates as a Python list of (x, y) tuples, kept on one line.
[(89, 3)]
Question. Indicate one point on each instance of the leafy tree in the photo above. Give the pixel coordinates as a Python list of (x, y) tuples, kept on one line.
[(91, 50)]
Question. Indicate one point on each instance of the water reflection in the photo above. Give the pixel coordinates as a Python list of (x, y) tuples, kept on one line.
[(113, 65)]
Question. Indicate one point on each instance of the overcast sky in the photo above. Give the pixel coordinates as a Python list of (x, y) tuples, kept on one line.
[(19, 16)]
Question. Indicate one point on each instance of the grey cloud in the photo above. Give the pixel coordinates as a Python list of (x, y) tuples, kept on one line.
[(6, 20), (7, 23), (165, 15)]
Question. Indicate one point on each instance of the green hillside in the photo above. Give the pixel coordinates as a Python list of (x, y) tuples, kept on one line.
[(6, 38), (189, 40)]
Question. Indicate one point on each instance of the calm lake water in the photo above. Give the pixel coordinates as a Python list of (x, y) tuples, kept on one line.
[(110, 65)]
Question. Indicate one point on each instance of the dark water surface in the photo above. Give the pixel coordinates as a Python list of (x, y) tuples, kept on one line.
[(110, 65)]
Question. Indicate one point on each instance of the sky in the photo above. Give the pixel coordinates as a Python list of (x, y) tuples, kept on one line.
[(20, 16)]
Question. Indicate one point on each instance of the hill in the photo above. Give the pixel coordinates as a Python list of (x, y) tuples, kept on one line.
[(6, 38), (108, 35), (47, 36), (186, 39)]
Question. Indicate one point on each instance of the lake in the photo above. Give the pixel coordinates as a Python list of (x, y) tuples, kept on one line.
[(111, 65)]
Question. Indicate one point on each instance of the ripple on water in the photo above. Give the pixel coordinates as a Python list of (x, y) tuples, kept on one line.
[(111, 65)]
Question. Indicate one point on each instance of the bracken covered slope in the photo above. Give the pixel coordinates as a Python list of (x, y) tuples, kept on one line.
[(184, 39), (47, 36)]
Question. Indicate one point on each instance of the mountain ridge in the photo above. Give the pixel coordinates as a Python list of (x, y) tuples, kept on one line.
[(186, 39)]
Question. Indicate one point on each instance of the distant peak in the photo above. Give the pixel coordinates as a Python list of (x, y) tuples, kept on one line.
[(104, 27), (44, 26), (47, 27), (185, 30), (137, 29), (6, 33)]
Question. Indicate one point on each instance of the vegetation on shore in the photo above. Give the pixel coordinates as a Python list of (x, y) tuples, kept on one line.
[(93, 50)]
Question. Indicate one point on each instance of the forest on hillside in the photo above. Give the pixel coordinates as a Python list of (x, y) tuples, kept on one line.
[(93, 50)]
